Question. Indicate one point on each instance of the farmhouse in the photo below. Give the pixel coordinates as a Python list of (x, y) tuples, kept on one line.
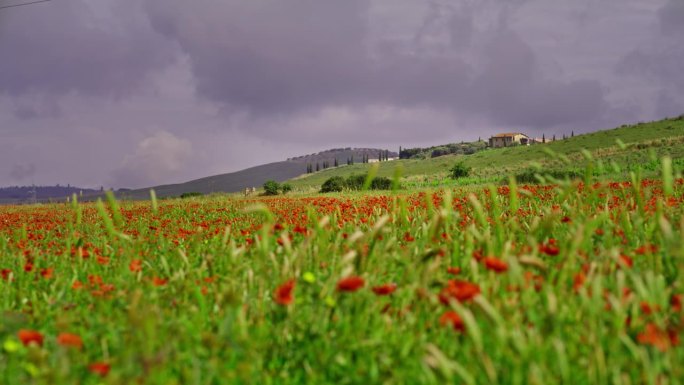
[(508, 139)]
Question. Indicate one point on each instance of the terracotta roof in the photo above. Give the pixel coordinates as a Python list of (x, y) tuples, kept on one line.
[(507, 134)]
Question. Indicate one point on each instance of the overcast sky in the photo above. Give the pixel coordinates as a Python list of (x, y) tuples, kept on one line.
[(141, 92)]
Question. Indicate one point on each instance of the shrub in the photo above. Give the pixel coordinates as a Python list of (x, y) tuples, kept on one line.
[(460, 170), (355, 182), (333, 184), (190, 194), (271, 187), (285, 188), (529, 175), (381, 183)]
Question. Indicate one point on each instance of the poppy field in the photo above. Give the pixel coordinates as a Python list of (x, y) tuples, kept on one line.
[(569, 282)]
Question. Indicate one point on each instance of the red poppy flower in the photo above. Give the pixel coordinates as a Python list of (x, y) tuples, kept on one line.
[(300, 230), (625, 261), (495, 264), (676, 302), (531, 278), (386, 289), (657, 337), (135, 266), (283, 294), (453, 270), (30, 336), (578, 281), (95, 280), (451, 318), (99, 368), (350, 284), (549, 249), (646, 249), (47, 272), (156, 281), (5, 274), (458, 290), (478, 255), (647, 309), (70, 340), (408, 237)]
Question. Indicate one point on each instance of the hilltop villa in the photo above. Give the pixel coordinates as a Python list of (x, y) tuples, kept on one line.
[(508, 139)]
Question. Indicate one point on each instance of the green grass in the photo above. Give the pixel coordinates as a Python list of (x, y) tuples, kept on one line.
[(185, 291)]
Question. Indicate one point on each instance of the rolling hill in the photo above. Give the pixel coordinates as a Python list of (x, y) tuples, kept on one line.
[(642, 142)]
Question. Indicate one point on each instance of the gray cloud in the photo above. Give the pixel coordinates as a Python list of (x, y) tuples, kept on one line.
[(513, 90), (101, 49), (672, 17), (268, 59), (270, 56), (659, 60)]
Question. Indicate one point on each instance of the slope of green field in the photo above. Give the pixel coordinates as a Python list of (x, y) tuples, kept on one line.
[(642, 142)]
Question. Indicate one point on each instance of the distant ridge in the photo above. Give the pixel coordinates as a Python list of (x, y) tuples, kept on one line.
[(27, 194)]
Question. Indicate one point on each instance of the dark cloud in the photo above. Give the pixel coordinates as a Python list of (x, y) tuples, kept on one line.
[(101, 49), (513, 89), (274, 58), (659, 60), (270, 56), (672, 17)]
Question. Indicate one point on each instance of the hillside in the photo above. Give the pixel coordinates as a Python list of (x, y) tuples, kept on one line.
[(229, 182), (255, 176), (665, 137)]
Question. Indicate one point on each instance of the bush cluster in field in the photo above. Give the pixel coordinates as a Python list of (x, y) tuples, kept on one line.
[(356, 183), (272, 187)]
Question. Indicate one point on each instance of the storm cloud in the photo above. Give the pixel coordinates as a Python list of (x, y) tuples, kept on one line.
[(156, 91)]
